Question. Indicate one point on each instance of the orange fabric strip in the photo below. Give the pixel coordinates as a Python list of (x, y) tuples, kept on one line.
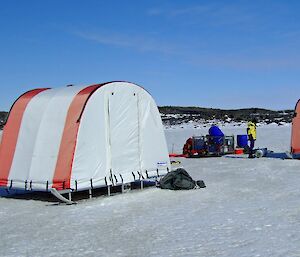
[(63, 169), (11, 133), (296, 131)]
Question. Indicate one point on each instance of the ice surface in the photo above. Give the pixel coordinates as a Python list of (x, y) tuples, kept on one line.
[(249, 208)]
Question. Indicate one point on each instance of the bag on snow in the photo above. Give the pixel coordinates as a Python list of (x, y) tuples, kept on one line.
[(179, 179)]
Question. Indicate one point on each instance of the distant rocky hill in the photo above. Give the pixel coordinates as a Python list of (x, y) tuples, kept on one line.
[(172, 115), (2, 118)]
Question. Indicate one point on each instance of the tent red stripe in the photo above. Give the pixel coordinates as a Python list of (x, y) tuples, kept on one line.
[(11, 133), (296, 131), (296, 150), (63, 169)]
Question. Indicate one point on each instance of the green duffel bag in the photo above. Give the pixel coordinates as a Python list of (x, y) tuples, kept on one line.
[(179, 179)]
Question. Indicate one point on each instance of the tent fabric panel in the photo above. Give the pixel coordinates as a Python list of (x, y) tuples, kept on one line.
[(69, 138), (91, 153), (49, 136), (124, 129), (11, 133), (154, 153), (80, 185), (295, 144), (109, 137), (27, 137)]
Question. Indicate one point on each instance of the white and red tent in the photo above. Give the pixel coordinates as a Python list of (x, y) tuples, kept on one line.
[(295, 143), (82, 137)]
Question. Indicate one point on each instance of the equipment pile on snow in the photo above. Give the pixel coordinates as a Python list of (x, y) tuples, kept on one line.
[(214, 144)]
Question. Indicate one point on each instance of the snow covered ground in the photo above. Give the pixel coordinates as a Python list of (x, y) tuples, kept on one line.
[(249, 208)]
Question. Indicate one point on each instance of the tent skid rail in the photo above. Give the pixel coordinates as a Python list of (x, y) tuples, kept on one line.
[(58, 195), (72, 195)]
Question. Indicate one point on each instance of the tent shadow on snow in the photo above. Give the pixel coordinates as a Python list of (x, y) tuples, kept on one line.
[(274, 155), (277, 155)]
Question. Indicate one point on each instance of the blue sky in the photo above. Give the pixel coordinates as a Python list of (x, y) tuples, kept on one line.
[(223, 54)]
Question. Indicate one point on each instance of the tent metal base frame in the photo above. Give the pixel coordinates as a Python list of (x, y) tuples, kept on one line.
[(105, 190), (71, 196)]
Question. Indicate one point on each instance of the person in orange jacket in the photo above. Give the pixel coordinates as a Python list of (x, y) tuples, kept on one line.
[(188, 146)]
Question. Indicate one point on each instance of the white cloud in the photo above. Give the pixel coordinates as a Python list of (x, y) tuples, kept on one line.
[(192, 55), (139, 43)]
